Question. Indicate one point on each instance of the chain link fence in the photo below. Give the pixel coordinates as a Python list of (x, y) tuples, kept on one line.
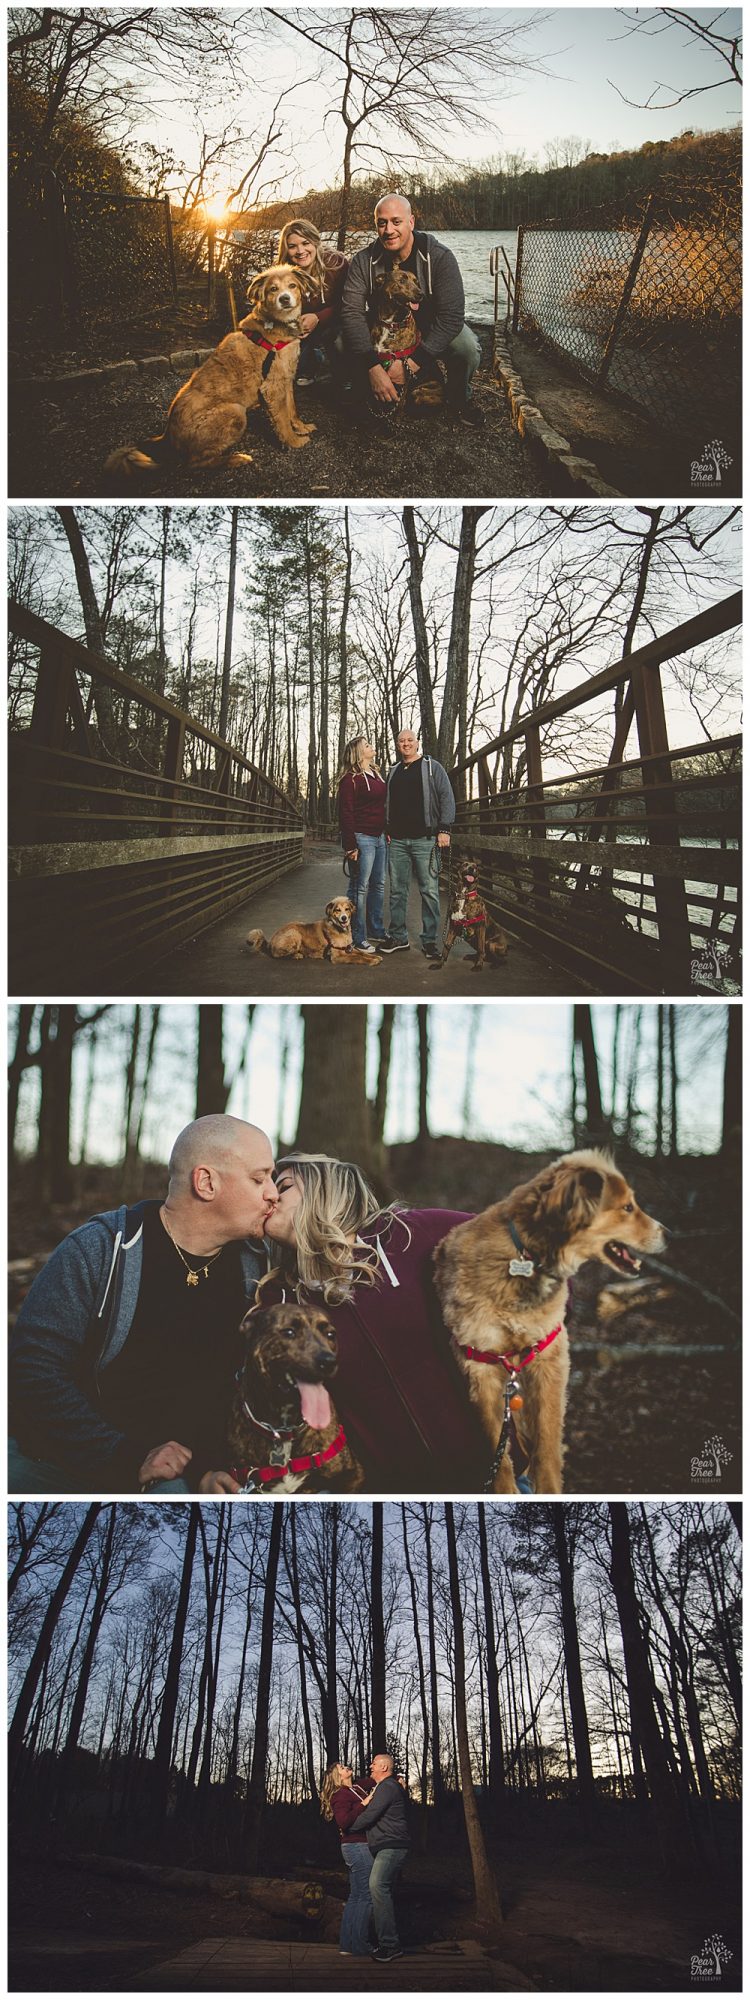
[(85, 259), (650, 311)]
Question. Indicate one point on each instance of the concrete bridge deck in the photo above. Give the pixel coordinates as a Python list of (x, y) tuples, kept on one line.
[(218, 963)]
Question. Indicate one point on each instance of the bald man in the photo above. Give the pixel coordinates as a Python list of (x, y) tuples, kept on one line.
[(125, 1349), (443, 334)]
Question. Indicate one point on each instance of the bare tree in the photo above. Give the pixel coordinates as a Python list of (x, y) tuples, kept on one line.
[(726, 48)]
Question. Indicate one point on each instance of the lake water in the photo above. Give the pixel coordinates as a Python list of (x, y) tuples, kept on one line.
[(471, 248)]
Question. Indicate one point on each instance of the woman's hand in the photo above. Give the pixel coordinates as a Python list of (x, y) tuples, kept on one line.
[(308, 322), (352, 854), (218, 1482), (165, 1461)]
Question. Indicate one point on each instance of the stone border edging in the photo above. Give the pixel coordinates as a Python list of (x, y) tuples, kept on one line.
[(184, 361), (529, 421)]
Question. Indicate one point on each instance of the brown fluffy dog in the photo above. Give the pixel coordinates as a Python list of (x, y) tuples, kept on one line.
[(502, 1282), (330, 938), (394, 334), (207, 419), (284, 1433), (468, 919)]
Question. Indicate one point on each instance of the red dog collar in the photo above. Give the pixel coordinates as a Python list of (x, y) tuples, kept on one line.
[(465, 921), (399, 354), (522, 1360), (271, 346), (268, 1473)]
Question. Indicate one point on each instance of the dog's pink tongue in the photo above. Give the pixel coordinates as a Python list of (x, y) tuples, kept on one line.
[(316, 1405)]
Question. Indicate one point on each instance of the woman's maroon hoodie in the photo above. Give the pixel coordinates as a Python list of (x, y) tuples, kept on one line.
[(346, 1807), (361, 806), (398, 1391)]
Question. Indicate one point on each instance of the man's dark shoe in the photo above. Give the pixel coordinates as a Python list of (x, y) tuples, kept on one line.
[(386, 943), (431, 951), (468, 414), (383, 1954)]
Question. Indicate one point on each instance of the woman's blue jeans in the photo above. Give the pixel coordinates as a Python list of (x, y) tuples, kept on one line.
[(369, 887), (355, 1922)]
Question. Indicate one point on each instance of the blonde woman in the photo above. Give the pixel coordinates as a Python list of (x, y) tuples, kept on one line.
[(341, 1800), (323, 272), (361, 798), (397, 1389)]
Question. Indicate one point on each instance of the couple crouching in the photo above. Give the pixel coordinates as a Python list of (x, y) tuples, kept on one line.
[(374, 1844), (401, 821)]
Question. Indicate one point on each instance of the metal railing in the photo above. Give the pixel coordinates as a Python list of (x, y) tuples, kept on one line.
[(651, 312), (626, 872), (132, 826)]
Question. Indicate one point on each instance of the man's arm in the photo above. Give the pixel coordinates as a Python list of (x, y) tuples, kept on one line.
[(370, 1815), (448, 301), (446, 797), (54, 1415), (354, 325)]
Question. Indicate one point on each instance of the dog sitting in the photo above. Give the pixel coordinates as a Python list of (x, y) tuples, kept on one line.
[(502, 1281), (284, 1433), (395, 337), (468, 919), (207, 420), (330, 938)]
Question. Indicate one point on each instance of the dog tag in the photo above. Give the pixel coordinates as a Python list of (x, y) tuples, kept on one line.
[(521, 1267)]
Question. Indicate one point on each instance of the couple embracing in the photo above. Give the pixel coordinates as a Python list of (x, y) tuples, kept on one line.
[(401, 821), (374, 1844)]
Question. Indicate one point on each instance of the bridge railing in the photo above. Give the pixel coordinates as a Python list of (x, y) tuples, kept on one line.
[(132, 825), (628, 872)]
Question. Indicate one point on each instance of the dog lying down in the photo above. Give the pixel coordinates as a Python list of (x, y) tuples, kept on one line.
[(502, 1280), (207, 420), (284, 1433), (330, 938)]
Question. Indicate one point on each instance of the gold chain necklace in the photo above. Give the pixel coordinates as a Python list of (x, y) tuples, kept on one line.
[(193, 1276)]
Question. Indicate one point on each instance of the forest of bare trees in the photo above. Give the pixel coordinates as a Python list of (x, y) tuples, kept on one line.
[(292, 629), (179, 1675)]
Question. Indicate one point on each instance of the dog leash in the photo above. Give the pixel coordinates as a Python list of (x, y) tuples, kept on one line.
[(513, 1399)]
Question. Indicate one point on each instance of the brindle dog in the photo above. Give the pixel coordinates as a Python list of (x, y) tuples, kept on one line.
[(284, 1433), (468, 919), (395, 337)]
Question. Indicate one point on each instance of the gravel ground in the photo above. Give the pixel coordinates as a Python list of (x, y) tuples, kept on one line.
[(60, 439)]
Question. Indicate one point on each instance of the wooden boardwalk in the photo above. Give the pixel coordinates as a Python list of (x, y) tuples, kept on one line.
[(237, 1964), (217, 962)]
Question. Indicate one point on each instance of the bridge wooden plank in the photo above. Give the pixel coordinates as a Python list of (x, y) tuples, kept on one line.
[(77, 857), (706, 864)]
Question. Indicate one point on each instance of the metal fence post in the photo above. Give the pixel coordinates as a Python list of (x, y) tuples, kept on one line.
[(170, 244), (517, 286), (635, 264)]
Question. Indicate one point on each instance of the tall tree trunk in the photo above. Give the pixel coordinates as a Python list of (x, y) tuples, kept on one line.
[(256, 1791), (162, 1760), (438, 1788), (496, 1776), (54, 1173), (421, 640), (667, 1819), (18, 1063), (487, 1901), (583, 1036), (332, 1120), (732, 1094), (343, 644), (456, 676), (420, 1668), (92, 622), (95, 1624), (576, 1696), (385, 1042), (423, 1078), (377, 1682), (226, 671), (212, 1090), (293, 1573), (41, 1650)]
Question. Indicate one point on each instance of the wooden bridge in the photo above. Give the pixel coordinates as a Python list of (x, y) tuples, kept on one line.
[(626, 873), (133, 829)]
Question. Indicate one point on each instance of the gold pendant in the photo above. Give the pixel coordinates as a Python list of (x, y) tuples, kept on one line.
[(193, 1278)]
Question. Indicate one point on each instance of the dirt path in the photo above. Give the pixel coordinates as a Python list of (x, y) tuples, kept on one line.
[(60, 439), (218, 961)]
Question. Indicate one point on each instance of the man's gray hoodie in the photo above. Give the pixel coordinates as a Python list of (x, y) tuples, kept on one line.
[(438, 799), (441, 314), (74, 1320)]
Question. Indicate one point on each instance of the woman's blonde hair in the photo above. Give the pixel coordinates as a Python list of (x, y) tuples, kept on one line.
[(331, 1784), (351, 759), (313, 280), (335, 1204)]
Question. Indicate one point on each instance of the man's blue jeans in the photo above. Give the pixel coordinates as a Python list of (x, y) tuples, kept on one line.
[(387, 1864), (419, 857), (355, 1922), (369, 888), (462, 360), (38, 1475)]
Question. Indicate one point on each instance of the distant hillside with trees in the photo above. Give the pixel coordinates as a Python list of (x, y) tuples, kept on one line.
[(697, 174)]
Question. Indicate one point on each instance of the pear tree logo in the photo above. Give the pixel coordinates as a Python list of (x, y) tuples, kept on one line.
[(706, 1966), (706, 471), (710, 1462)]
